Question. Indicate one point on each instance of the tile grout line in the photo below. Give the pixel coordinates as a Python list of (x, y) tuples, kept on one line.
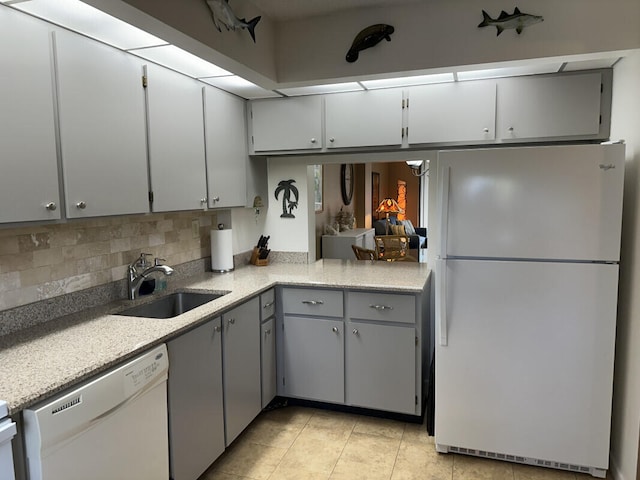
[(395, 460), (343, 448), (289, 447)]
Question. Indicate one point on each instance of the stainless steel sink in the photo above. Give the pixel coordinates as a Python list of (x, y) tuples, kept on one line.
[(171, 305)]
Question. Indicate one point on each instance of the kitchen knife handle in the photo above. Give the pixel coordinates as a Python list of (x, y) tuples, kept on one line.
[(441, 303)]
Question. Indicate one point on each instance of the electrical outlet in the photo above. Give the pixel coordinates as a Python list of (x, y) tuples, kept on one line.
[(195, 228)]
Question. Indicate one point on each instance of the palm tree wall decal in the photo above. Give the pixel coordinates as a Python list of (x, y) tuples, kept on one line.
[(287, 188)]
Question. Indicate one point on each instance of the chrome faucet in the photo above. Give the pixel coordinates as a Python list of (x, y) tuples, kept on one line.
[(136, 277)]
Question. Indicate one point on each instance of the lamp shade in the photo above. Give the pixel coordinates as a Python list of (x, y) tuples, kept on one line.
[(389, 205)]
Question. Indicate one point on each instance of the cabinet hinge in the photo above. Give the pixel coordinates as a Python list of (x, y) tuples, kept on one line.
[(251, 139), (601, 87), (144, 81), (403, 103), (150, 197), (402, 131), (407, 103), (416, 340), (406, 132), (283, 382), (416, 399), (600, 120)]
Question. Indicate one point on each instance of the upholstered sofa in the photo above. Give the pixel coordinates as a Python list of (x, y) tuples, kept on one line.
[(417, 235)]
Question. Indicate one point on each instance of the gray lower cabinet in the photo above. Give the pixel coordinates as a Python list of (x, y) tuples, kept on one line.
[(314, 358), (196, 415), (380, 367), (241, 367), (268, 345)]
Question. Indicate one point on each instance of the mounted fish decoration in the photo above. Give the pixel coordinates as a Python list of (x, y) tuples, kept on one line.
[(367, 38), (517, 20), (223, 15)]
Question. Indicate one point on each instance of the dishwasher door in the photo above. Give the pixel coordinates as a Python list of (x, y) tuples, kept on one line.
[(114, 427), (7, 432)]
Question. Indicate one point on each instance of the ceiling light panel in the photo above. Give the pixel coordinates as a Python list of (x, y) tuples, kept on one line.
[(590, 64), (319, 89), (239, 86), (89, 21), (408, 81), (181, 61), (509, 71)]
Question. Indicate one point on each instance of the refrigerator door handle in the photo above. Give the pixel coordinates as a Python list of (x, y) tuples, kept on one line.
[(444, 211), (441, 303)]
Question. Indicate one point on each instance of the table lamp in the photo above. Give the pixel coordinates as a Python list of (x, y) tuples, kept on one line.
[(388, 205)]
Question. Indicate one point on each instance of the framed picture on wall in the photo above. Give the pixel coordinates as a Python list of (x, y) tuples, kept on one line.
[(318, 187), (375, 193)]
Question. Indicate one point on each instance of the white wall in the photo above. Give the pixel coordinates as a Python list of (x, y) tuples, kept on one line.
[(442, 33), (625, 124)]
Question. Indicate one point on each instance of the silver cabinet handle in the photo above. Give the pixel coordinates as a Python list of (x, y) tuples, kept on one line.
[(510, 129), (313, 140), (215, 199), (381, 307), (268, 305), (81, 205), (355, 332), (313, 302), (486, 130), (217, 328), (335, 330), (51, 206), (332, 139), (231, 321), (267, 332), (203, 200)]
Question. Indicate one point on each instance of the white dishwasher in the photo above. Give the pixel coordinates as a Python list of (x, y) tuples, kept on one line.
[(114, 427), (7, 432)]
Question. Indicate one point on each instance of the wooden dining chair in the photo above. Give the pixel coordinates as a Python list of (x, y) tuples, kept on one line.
[(391, 247), (363, 253)]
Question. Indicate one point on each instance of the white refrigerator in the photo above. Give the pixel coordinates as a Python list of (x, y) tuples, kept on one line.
[(526, 297)]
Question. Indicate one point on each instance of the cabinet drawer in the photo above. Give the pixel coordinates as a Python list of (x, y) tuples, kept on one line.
[(301, 301), (385, 307), (267, 304)]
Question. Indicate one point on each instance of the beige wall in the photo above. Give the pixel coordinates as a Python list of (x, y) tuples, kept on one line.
[(626, 396), (40, 262)]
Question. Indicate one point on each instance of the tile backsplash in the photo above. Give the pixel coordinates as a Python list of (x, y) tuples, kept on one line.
[(45, 261)]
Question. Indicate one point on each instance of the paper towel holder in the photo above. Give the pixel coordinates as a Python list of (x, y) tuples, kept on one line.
[(222, 260)]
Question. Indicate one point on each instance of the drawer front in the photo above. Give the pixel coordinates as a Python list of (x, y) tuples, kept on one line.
[(302, 301), (384, 307), (267, 304)]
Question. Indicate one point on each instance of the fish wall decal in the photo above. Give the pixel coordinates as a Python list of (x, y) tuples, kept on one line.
[(223, 15), (517, 20), (367, 38)]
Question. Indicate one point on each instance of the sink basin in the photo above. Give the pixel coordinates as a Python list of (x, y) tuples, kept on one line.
[(171, 305)]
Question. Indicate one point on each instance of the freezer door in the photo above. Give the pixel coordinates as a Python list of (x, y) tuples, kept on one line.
[(528, 365), (554, 202)]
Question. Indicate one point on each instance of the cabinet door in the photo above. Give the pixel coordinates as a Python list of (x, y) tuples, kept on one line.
[(196, 419), (29, 168), (381, 367), (102, 128), (176, 140), (268, 351), (314, 359), (227, 156), (287, 123), (452, 112), (363, 119), (241, 362), (549, 106)]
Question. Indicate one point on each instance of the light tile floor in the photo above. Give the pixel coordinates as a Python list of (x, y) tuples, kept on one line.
[(300, 443)]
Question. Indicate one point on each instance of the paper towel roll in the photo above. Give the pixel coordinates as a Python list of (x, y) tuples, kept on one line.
[(221, 250)]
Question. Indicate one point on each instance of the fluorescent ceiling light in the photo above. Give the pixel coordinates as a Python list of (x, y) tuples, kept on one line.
[(181, 61), (590, 64), (318, 89), (89, 21), (509, 71), (407, 81), (239, 86)]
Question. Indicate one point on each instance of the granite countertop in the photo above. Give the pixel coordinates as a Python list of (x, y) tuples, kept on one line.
[(48, 358)]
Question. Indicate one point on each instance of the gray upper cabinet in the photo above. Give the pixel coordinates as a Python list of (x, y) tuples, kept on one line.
[(102, 128), (452, 112), (176, 140), (29, 187), (286, 124), (361, 119), (226, 144), (545, 107)]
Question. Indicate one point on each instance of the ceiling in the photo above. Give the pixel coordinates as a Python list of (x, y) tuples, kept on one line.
[(294, 9)]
